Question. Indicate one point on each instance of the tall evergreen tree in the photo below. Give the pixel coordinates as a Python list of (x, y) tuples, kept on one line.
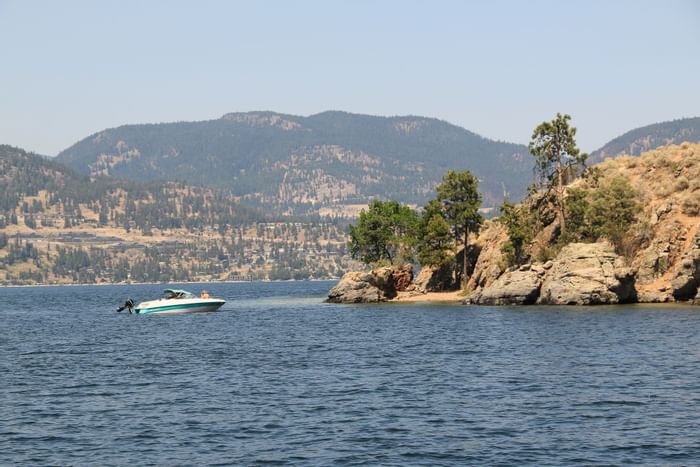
[(434, 237), (553, 145), (460, 200)]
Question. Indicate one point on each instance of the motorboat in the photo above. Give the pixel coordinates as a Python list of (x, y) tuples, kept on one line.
[(180, 301)]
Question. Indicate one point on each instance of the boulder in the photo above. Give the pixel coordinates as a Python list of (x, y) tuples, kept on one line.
[(379, 285), (520, 287), (357, 287), (588, 274)]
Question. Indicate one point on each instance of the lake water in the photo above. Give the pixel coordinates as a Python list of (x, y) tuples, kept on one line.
[(280, 377)]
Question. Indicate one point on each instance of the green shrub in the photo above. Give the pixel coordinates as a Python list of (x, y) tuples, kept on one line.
[(680, 184), (576, 206), (613, 210), (694, 184), (691, 204), (520, 223), (509, 254), (547, 253)]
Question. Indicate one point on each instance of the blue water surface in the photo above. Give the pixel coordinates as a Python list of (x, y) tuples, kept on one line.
[(280, 377)]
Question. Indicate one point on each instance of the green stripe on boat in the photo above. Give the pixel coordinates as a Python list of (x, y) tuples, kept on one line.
[(175, 307)]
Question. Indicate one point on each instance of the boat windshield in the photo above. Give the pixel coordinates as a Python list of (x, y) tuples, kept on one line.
[(177, 293)]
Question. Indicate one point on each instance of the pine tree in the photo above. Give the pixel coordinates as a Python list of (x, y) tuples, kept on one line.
[(556, 155), (459, 198)]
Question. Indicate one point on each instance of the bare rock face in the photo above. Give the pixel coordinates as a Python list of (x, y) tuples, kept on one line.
[(686, 283), (521, 287), (663, 251), (357, 287), (402, 277), (378, 285), (489, 264), (432, 279), (588, 274), (383, 278), (654, 296)]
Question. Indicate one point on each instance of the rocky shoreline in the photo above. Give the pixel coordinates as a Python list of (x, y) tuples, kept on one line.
[(581, 274), (661, 262)]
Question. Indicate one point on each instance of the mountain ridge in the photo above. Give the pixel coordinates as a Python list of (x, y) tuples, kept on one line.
[(332, 162), (329, 159), (648, 137)]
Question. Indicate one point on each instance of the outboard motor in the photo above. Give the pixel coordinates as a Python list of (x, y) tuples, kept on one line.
[(128, 304)]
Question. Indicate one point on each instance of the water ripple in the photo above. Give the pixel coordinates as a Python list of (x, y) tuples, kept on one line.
[(278, 377)]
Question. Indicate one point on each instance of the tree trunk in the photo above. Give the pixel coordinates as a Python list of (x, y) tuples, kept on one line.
[(458, 278), (464, 262), (386, 252), (560, 196)]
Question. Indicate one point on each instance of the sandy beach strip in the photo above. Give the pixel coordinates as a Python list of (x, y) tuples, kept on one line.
[(432, 297)]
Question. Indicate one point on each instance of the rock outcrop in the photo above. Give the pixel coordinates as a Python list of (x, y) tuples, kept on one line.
[(662, 245), (588, 274), (520, 287), (661, 253), (489, 265), (402, 278), (685, 285), (379, 285), (647, 295), (582, 274), (432, 279)]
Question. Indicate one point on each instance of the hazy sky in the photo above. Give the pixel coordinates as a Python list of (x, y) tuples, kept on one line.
[(71, 68)]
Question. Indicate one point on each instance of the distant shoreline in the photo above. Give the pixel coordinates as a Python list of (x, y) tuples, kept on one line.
[(16, 286)]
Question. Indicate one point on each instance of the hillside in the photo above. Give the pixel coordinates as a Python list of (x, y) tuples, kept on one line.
[(326, 163), (668, 182), (649, 137), (660, 246), (57, 226)]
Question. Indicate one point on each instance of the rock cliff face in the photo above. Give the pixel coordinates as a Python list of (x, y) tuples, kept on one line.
[(582, 274), (379, 285), (664, 266), (520, 287), (402, 277), (489, 265), (668, 182), (685, 285), (588, 274), (434, 279)]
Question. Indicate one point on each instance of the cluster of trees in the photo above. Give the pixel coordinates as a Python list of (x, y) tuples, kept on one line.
[(593, 210), (18, 251), (389, 231)]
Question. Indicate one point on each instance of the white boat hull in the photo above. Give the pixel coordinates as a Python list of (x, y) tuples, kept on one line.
[(179, 305)]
